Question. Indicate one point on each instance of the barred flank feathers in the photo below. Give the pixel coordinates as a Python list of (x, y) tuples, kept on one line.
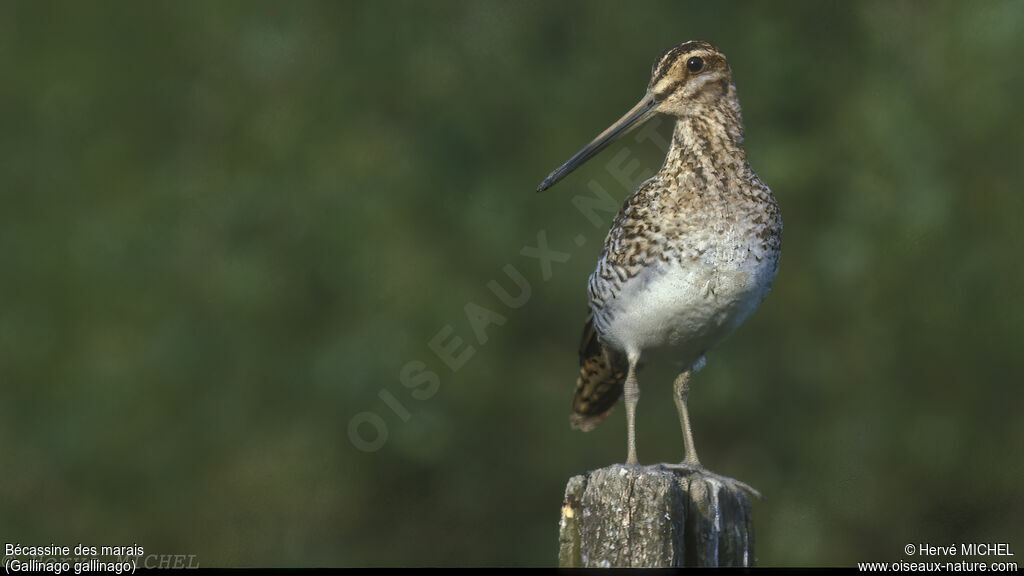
[(602, 375)]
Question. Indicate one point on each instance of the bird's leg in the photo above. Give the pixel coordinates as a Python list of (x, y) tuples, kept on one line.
[(691, 464), (682, 390), (632, 396)]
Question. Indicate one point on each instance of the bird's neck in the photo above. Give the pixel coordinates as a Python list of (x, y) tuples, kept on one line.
[(710, 139)]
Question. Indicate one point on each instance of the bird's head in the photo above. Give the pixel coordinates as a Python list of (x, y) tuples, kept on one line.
[(685, 80), (688, 76)]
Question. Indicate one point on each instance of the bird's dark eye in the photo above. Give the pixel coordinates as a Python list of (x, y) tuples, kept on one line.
[(695, 64)]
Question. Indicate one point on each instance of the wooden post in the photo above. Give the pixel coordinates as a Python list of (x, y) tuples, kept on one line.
[(653, 516)]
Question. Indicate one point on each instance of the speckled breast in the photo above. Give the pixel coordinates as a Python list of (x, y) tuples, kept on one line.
[(686, 303)]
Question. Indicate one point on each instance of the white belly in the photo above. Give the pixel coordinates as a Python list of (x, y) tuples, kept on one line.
[(689, 307)]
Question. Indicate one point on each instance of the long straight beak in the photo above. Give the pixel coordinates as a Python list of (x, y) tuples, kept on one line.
[(635, 117)]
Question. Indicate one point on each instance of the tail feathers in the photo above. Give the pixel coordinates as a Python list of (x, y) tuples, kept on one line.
[(602, 375)]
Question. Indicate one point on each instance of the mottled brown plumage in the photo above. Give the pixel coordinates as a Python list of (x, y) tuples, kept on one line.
[(602, 374), (693, 251)]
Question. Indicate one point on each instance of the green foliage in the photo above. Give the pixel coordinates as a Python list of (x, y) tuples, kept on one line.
[(227, 228)]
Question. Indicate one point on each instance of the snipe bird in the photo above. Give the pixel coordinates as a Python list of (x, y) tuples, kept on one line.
[(692, 252)]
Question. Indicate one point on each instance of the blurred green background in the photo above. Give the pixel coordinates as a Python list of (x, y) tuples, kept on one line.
[(227, 228)]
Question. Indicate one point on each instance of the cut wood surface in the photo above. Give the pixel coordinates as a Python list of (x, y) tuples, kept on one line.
[(655, 516)]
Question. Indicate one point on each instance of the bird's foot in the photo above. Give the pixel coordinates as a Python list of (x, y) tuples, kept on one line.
[(696, 468)]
